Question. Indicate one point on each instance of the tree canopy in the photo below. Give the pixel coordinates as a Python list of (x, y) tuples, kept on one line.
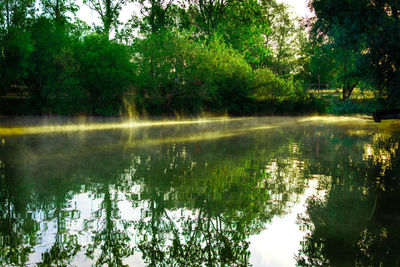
[(366, 35), (239, 57)]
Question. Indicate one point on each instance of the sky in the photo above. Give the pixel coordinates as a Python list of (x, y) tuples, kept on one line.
[(299, 7)]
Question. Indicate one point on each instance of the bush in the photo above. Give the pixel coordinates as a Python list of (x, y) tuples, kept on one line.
[(178, 74), (106, 73), (339, 107), (290, 106), (266, 85), (227, 78), (166, 72), (15, 50), (54, 70)]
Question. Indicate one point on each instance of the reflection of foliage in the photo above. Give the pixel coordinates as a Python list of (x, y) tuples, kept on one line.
[(66, 245), (17, 226), (62, 251), (192, 239), (112, 240), (225, 202), (199, 200), (357, 224)]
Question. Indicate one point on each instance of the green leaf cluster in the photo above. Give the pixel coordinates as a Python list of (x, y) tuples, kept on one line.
[(186, 57)]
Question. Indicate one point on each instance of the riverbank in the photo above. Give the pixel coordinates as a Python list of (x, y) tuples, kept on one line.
[(13, 106)]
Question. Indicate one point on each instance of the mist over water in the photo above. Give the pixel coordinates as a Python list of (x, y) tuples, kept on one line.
[(274, 191)]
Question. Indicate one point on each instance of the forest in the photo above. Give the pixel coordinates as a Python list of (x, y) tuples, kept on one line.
[(190, 57)]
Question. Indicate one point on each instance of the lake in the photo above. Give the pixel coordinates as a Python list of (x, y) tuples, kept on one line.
[(268, 191)]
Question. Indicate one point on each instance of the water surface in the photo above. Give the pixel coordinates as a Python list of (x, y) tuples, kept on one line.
[(277, 191)]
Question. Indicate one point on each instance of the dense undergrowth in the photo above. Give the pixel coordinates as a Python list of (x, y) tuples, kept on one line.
[(221, 57)]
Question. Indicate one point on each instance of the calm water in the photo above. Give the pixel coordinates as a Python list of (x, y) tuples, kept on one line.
[(246, 192)]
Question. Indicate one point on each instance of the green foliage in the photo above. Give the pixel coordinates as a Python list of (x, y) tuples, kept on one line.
[(188, 57), (58, 10), (54, 70), (108, 11), (335, 65), (15, 42), (340, 107), (247, 34), (368, 31), (239, 23), (17, 47), (16, 15), (208, 15), (158, 16), (320, 67), (70, 75), (268, 86), (226, 75), (175, 69), (106, 73), (166, 70), (284, 39)]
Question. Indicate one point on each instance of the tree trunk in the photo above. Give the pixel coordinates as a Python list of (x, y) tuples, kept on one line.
[(8, 15), (58, 12), (108, 18), (347, 90), (169, 99)]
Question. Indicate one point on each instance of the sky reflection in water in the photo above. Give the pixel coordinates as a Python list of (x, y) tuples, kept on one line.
[(257, 191)]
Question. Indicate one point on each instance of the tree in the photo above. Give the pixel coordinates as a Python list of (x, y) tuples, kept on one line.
[(15, 48), (15, 42), (336, 66), (370, 31), (16, 14), (108, 11), (106, 73), (208, 14), (267, 85), (155, 14), (58, 9), (284, 38), (174, 68), (54, 69), (167, 66), (245, 29), (239, 23)]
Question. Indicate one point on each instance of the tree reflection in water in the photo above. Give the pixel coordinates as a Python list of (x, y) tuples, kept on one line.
[(111, 236), (195, 203), (66, 244), (201, 209), (358, 221), (18, 227)]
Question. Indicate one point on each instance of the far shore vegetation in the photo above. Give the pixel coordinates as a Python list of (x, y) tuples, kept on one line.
[(236, 57)]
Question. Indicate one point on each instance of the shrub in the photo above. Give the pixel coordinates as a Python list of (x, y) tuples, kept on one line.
[(166, 71), (106, 73), (339, 107), (227, 77), (266, 85), (177, 73), (54, 70), (15, 51)]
